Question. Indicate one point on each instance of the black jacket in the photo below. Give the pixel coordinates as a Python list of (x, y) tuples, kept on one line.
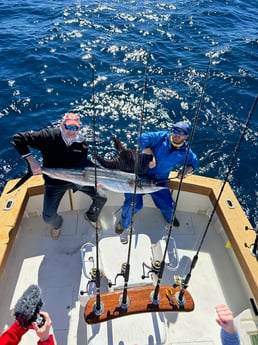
[(55, 152)]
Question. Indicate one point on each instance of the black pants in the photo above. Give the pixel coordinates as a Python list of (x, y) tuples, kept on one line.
[(54, 193)]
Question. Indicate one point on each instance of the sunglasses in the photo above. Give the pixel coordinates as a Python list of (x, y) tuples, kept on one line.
[(70, 127), (178, 131)]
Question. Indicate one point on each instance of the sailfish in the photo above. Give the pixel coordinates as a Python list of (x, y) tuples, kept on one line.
[(124, 174)]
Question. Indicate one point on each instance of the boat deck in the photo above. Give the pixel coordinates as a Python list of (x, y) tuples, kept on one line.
[(56, 267)]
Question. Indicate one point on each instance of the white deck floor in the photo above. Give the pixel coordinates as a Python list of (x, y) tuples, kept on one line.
[(56, 267)]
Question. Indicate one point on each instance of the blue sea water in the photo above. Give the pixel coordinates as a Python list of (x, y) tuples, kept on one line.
[(51, 51)]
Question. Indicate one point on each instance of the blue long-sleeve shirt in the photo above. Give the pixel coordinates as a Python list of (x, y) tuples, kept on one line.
[(167, 157), (229, 339)]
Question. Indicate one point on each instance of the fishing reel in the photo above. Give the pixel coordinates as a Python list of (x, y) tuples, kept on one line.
[(122, 273), (254, 246), (93, 275), (180, 281), (155, 266)]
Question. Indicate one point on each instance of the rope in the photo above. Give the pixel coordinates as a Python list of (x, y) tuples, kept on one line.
[(195, 258), (162, 265)]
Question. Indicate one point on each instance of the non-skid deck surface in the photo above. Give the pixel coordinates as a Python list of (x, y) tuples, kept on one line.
[(56, 267)]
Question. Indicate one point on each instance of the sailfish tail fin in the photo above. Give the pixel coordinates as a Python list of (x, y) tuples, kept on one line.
[(118, 144)]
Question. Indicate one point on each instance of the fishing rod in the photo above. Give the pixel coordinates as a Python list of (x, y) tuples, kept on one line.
[(155, 296), (125, 301), (195, 258), (98, 307)]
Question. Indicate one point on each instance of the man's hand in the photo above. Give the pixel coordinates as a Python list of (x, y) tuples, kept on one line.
[(43, 332), (185, 172), (152, 163), (225, 318)]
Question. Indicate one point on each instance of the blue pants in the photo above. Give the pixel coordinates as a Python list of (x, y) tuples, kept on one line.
[(162, 200), (54, 193)]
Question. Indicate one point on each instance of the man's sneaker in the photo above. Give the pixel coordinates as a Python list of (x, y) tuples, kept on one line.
[(55, 233), (176, 222), (92, 223), (119, 229)]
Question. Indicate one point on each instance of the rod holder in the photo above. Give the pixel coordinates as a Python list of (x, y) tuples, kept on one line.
[(122, 304), (98, 311), (153, 300)]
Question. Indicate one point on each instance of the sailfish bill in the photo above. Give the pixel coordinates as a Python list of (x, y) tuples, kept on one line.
[(140, 302), (113, 180)]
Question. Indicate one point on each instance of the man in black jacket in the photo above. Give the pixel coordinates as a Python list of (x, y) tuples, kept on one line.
[(61, 147)]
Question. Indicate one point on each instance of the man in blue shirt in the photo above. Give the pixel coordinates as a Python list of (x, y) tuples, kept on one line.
[(169, 151)]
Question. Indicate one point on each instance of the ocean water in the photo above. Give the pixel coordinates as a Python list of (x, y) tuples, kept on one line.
[(149, 62)]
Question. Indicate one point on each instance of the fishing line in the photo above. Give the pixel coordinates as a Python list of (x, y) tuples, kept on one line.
[(230, 167), (124, 302), (162, 264)]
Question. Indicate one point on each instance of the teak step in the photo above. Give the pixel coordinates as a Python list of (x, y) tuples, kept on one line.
[(140, 301)]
